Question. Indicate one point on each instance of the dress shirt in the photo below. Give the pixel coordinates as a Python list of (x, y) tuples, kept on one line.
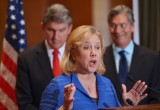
[(128, 53), (50, 52)]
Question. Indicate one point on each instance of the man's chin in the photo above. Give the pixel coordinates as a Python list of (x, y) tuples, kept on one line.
[(55, 47)]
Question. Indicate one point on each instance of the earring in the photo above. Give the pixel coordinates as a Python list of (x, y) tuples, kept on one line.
[(74, 59)]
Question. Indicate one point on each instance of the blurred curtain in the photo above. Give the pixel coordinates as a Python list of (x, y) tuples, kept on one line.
[(149, 21)]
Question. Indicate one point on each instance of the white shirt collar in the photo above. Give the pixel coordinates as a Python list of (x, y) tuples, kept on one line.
[(129, 49), (50, 50)]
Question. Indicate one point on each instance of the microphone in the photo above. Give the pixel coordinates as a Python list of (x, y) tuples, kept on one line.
[(132, 79), (129, 101)]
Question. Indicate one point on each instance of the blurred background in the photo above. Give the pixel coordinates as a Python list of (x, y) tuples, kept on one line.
[(90, 12), (83, 12)]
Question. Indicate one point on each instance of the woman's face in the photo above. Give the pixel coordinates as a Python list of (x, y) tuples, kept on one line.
[(88, 55)]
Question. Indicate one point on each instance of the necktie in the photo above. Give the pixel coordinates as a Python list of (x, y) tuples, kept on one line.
[(123, 67), (56, 66)]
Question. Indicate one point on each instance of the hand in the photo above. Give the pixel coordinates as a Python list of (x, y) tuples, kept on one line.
[(69, 91), (135, 94)]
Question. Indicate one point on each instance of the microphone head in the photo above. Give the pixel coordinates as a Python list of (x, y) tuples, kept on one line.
[(152, 89), (129, 101)]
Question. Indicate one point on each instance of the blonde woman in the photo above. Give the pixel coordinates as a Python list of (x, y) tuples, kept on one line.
[(81, 86)]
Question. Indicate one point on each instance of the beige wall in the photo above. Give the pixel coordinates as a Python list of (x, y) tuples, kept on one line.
[(33, 13), (3, 12), (100, 10), (81, 12)]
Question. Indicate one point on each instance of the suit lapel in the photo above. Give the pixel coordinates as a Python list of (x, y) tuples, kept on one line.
[(78, 85), (44, 62), (137, 56), (111, 71)]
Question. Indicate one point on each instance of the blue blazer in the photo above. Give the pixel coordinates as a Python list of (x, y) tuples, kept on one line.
[(52, 97)]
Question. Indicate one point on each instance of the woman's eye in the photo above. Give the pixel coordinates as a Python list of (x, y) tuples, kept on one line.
[(85, 47), (97, 48)]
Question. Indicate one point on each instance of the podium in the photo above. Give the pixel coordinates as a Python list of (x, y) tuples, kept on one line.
[(139, 107)]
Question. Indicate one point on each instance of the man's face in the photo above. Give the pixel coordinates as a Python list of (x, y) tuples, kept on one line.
[(121, 30), (56, 33)]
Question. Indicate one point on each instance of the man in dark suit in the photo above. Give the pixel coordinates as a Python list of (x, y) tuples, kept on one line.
[(35, 64), (141, 62)]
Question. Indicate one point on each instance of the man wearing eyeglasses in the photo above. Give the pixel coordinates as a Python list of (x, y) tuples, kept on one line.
[(124, 58)]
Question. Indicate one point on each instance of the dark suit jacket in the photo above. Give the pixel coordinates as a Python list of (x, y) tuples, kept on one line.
[(34, 73), (143, 67)]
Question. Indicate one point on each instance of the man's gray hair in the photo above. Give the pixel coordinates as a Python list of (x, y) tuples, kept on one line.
[(121, 9), (57, 13)]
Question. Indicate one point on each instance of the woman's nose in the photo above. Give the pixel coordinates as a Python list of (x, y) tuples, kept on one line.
[(93, 53)]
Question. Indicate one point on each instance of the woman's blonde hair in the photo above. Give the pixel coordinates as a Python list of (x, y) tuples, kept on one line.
[(76, 38)]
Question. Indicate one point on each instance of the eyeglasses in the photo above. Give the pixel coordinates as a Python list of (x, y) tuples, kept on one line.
[(115, 26)]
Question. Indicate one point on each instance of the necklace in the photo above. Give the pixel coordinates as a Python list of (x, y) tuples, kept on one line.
[(89, 89), (86, 85)]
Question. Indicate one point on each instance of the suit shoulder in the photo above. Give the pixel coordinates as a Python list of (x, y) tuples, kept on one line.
[(32, 50), (147, 51), (108, 48)]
